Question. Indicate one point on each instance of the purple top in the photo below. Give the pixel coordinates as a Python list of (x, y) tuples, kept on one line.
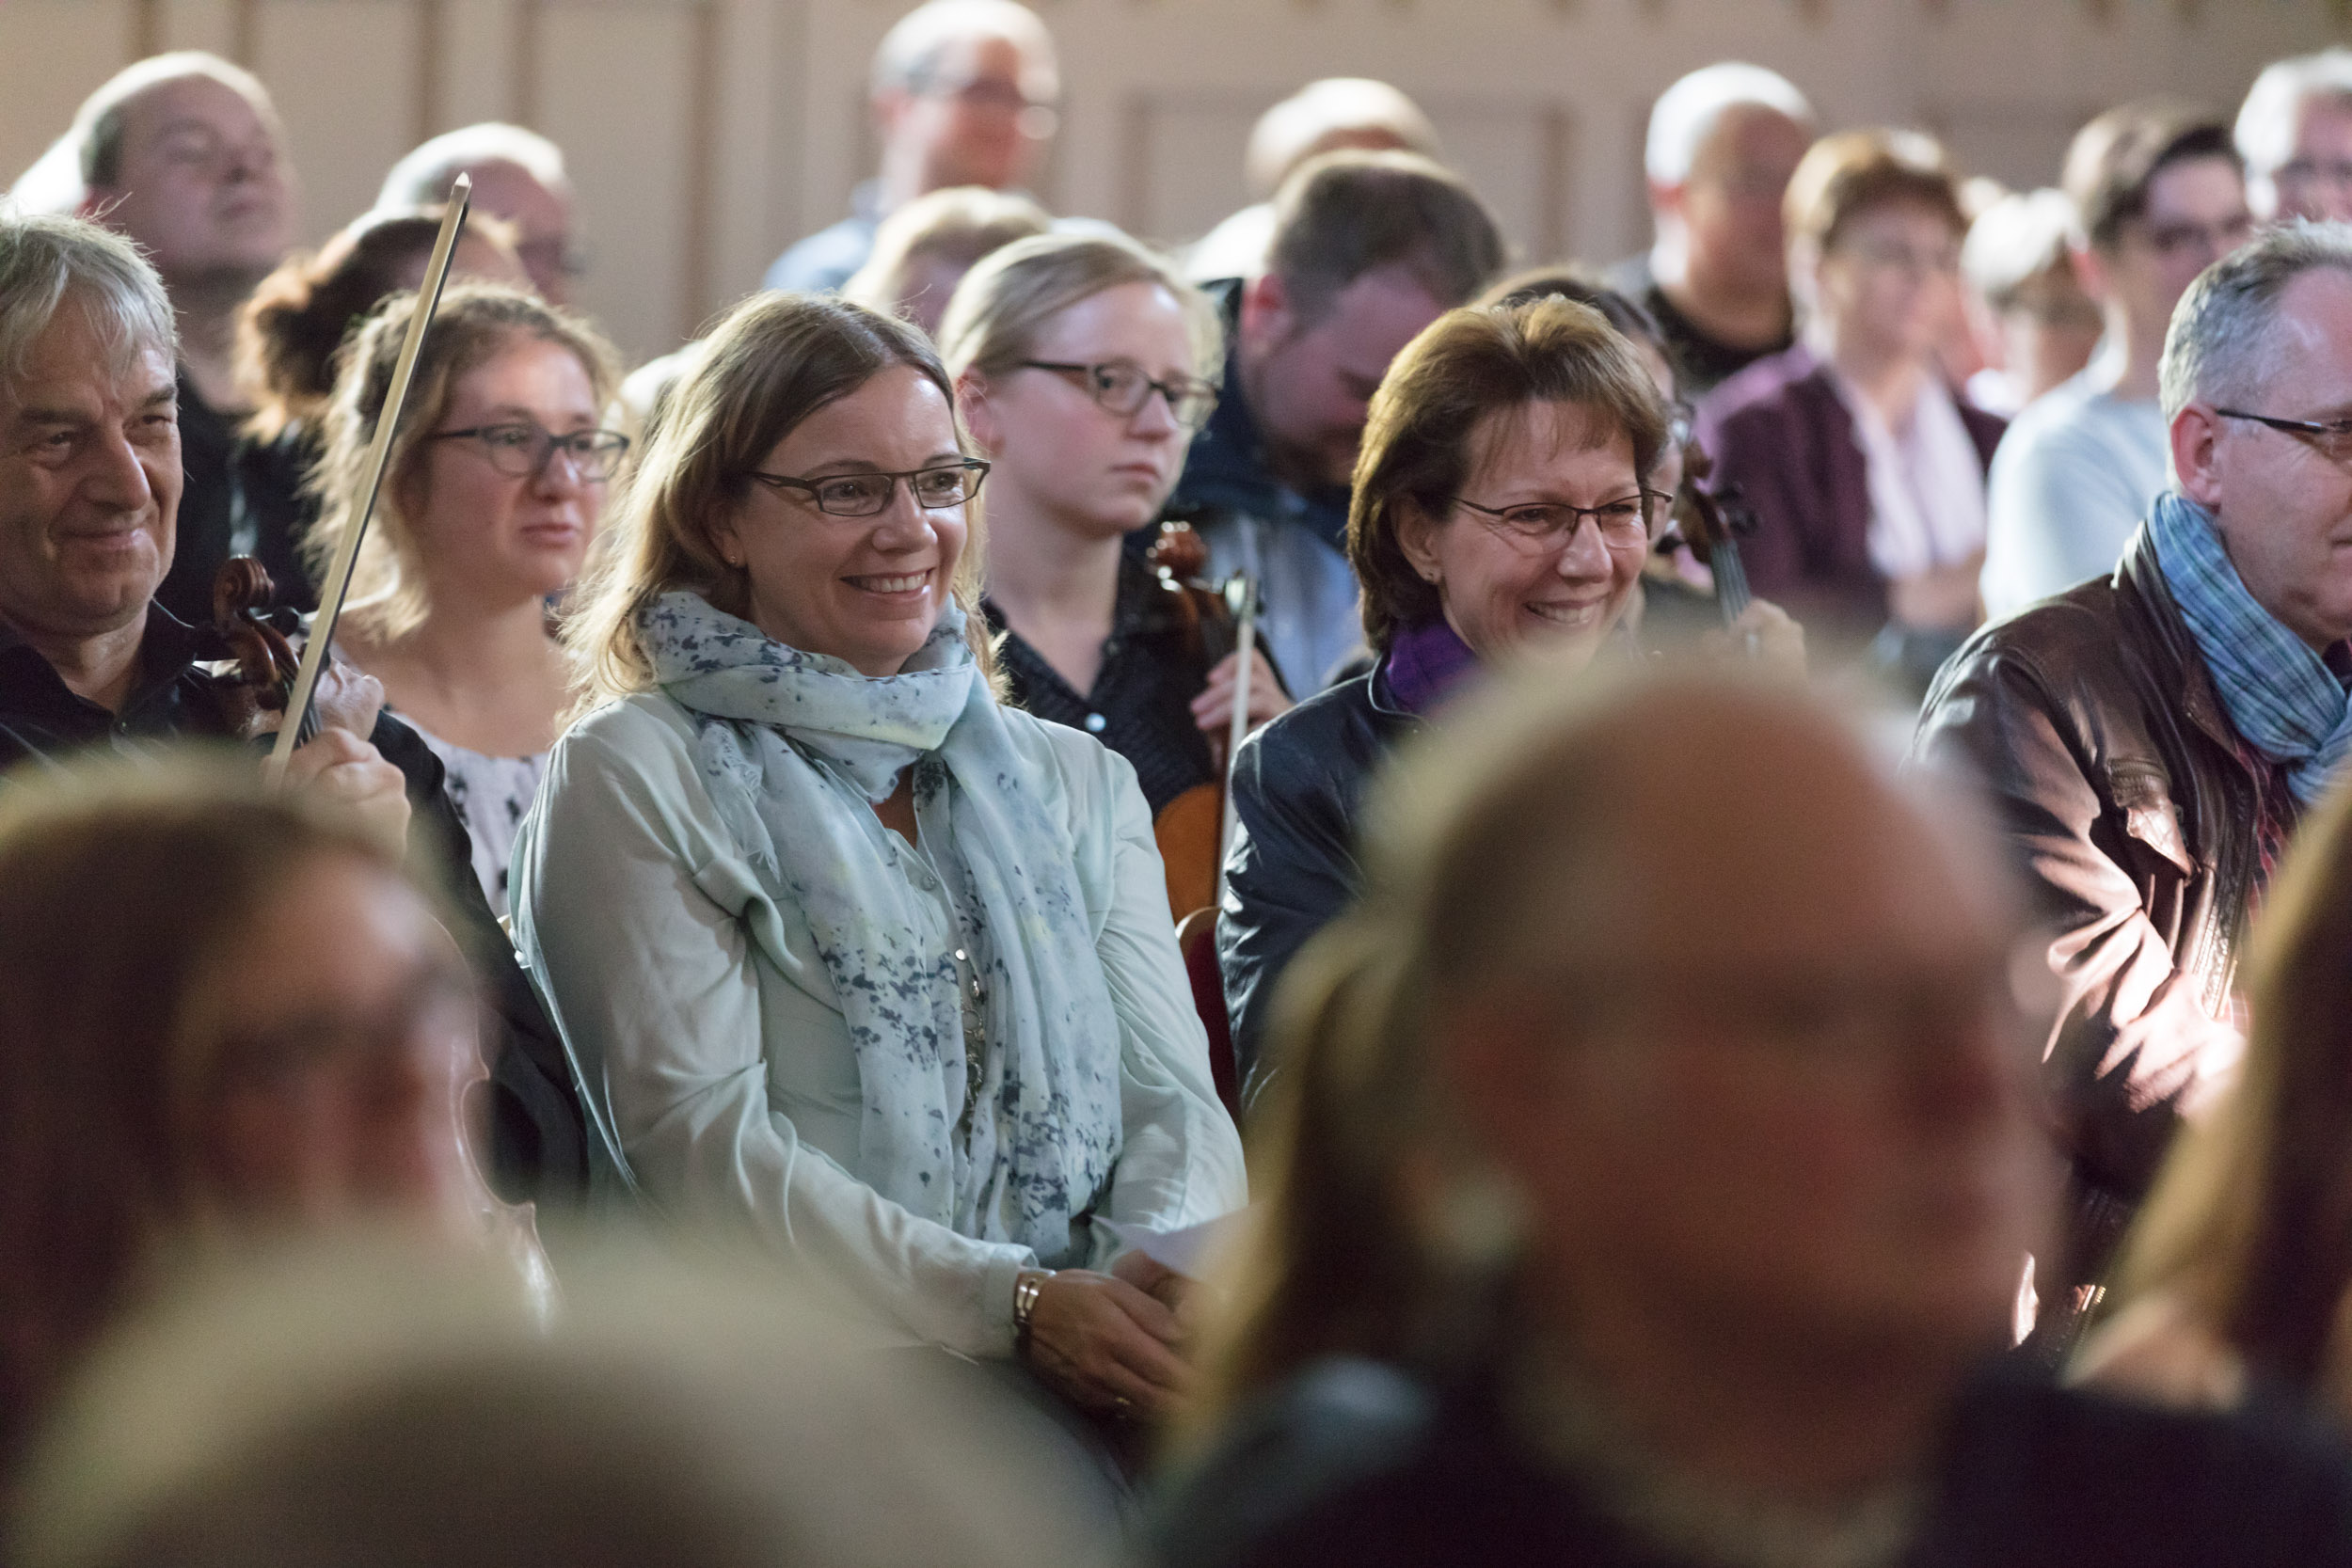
[(1426, 664)]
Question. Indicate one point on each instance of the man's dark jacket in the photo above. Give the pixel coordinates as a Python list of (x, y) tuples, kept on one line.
[(537, 1144), (2133, 807), (1292, 868)]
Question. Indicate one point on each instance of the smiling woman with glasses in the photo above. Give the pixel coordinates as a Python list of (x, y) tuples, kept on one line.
[(1081, 365), (492, 498), (1505, 506), (852, 957)]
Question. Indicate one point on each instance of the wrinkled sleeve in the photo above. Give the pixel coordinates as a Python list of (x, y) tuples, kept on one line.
[(2133, 1045), (1180, 1160), (640, 921), (1290, 871)]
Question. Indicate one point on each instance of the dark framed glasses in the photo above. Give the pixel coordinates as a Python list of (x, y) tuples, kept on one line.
[(1622, 522), (521, 451), (1122, 386), (934, 488), (2331, 439)]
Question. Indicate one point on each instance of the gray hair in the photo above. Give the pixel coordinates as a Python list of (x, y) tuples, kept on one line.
[(911, 51), (2266, 124), (1685, 113), (44, 257), (423, 176), (2221, 343), (96, 133)]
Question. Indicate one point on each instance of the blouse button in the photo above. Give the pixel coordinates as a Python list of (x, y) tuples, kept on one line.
[(1095, 723)]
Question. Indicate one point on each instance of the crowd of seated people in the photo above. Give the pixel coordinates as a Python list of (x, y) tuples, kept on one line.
[(754, 800)]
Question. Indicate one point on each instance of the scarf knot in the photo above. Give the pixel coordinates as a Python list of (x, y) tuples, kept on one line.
[(2281, 695)]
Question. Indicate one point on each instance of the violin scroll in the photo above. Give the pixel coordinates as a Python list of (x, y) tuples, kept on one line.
[(264, 661)]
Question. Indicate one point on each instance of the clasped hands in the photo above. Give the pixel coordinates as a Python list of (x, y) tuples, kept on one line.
[(1116, 1341)]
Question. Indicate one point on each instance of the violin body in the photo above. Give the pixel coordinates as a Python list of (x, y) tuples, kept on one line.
[(1190, 828)]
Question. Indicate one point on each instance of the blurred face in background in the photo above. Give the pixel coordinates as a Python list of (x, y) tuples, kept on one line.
[(1310, 380), (980, 115), (2197, 214), (1730, 206), (486, 536), (331, 1073), (543, 224), (2316, 181), (1888, 285), (1536, 578), (203, 185), (1058, 452)]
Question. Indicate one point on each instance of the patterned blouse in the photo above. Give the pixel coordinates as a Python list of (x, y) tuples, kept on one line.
[(491, 794)]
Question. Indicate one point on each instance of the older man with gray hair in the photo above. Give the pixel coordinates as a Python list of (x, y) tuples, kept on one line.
[(517, 175), (2295, 133), (91, 488), (962, 93), (2154, 735)]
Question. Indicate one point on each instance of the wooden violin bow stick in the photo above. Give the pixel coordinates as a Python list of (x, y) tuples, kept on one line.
[(297, 725)]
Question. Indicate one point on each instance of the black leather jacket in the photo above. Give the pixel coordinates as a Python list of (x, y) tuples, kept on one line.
[(1292, 866), (2132, 808)]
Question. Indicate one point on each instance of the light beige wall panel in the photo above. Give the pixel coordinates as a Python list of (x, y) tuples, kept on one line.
[(52, 54), (201, 24), (344, 75), (477, 63), (616, 82)]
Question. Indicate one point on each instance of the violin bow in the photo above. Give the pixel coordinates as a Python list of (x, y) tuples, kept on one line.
[(1241, 597), (297, 725)]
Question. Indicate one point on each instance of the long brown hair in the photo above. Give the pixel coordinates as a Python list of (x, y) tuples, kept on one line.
[(775, 361), (2250, 1226), (1425, 420), (123, 886)]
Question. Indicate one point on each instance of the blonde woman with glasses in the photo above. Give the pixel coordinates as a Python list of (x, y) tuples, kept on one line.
[(1080, 363), (496, 486)]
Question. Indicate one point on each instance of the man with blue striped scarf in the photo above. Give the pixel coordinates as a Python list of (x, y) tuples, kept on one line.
[(2150, 738)]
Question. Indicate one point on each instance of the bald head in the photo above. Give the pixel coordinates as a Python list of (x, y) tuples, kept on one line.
[(1732, 1006)]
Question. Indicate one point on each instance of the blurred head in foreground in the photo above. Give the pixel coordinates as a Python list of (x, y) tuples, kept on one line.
[(221, 1010), (370, 1405), (1677, 1074)]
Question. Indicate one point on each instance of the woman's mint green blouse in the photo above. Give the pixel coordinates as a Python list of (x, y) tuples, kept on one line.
[(704, 1028)]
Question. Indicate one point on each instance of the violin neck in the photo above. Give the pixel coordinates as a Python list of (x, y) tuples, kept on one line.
[(1731, 578)]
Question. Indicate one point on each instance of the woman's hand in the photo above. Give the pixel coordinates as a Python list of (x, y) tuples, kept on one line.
[(1763, 632), (1105, 1344), (1212, 710), (343, 767)]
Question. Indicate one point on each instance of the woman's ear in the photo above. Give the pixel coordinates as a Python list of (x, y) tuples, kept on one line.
[(1416, 533), (980, 414)]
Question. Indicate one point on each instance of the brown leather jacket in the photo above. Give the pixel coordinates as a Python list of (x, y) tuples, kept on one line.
[(2133, 806)]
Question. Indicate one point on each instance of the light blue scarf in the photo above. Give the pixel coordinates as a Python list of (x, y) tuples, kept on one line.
[(795, 748), (2281, 695)]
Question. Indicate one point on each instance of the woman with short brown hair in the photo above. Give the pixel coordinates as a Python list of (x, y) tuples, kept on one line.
[(1497, 437), (1865, 472)]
